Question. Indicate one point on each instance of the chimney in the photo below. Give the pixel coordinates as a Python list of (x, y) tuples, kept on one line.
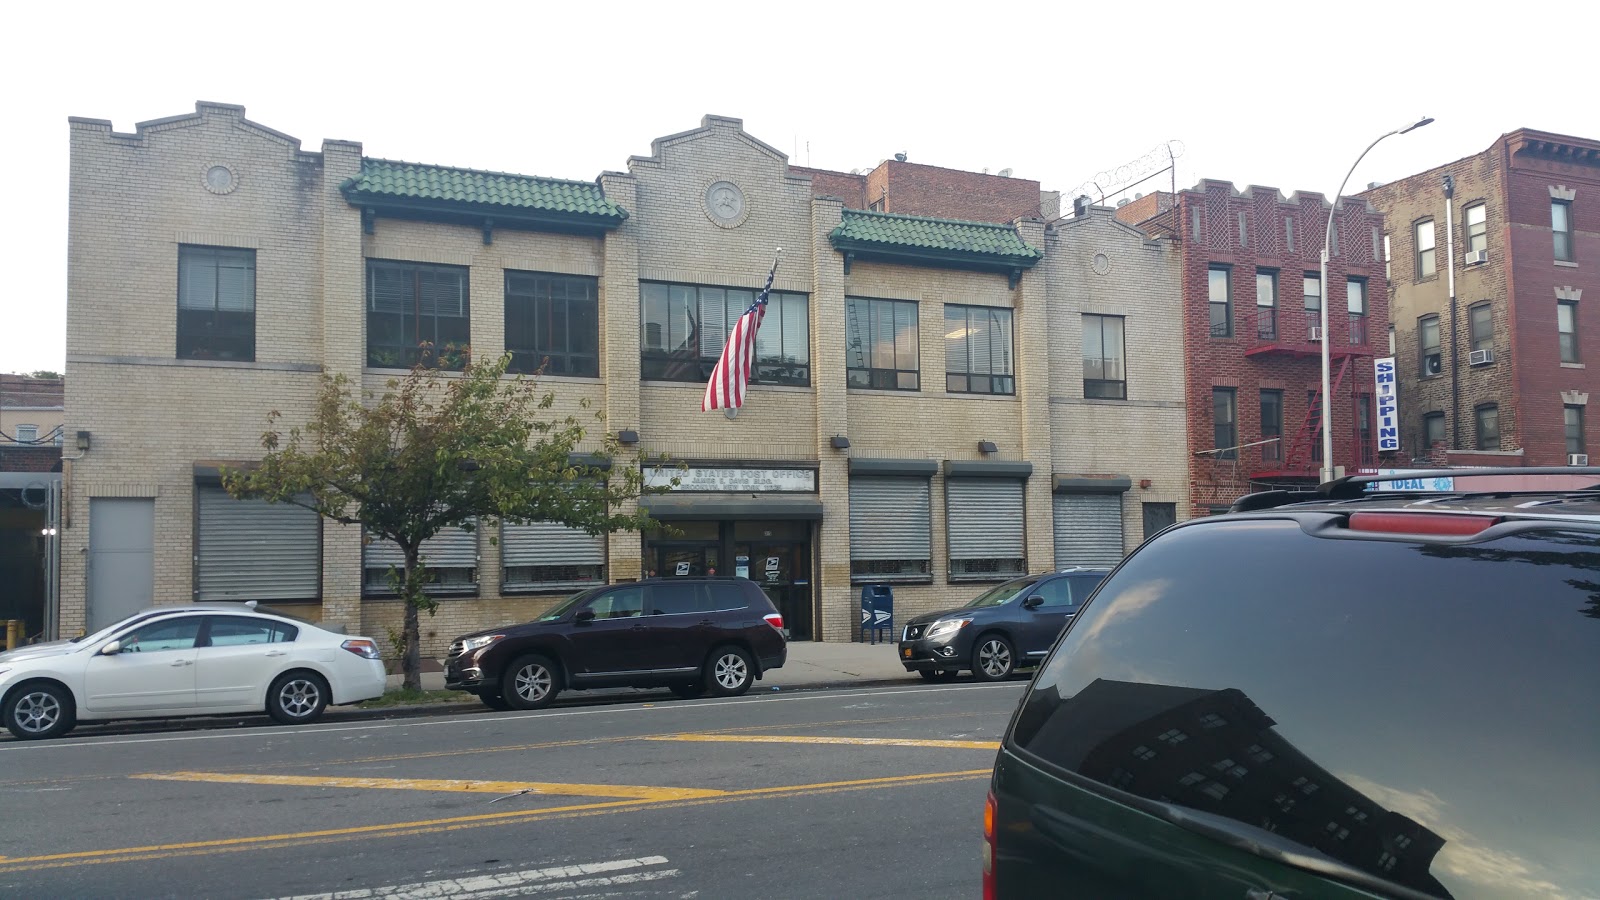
[(1080, 205)]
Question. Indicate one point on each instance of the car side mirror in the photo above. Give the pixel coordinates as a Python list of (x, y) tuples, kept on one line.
[(111, 649), (584, 616), (1033, 602)]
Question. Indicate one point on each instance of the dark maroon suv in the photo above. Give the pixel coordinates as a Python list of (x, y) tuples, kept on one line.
[(693, 635)]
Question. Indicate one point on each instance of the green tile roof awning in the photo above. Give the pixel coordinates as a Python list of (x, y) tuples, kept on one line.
[(944, 243), (485, 199)]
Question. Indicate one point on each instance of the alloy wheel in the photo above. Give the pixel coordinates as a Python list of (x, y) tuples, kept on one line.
[(533, 683), (730, 671), (37, 712), (995, 658), (299, 697)]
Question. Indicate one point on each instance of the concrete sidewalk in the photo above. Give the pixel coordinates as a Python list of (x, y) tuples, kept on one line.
[(811, 664)]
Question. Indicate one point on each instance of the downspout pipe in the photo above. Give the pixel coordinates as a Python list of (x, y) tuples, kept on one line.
[(1455, 354)]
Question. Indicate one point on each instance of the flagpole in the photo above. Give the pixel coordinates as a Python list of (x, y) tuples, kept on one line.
[(732, 412)]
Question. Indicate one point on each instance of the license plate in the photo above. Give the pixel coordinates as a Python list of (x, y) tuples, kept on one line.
[(906, 652)]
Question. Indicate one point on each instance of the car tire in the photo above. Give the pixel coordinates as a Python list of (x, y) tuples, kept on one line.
[(39, 710), (993, 658), (689, 691), (530, 682), (296, 698), (494, 701), (937, 675), (729, 672)]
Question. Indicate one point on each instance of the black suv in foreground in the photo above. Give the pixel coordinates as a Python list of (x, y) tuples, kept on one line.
[(691, 634), (1008, 626), (1365, 694)]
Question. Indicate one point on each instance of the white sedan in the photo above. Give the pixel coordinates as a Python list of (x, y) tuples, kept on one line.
[(186, 661)]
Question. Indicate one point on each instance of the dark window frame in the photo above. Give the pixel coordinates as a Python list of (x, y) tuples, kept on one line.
[(1426, 259), (1225, 398), (1432, 421), (685, 364), (1272, 424), (1572, 428), (1223, 328), (1477, 233), (1563, 244), (550, 334), (999, 383), (1354, 288), (1486, 426), (871, 375), (424, 346), (1474, 339), (1105, 388), (210, 331), (1267, 313), (1571, 350), (1426, 350)]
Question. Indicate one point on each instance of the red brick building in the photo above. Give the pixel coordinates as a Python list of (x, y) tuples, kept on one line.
[(1252, 350), (913, 189), (1501, 371)]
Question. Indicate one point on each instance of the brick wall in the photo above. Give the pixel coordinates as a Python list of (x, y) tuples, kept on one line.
[(912, 189)]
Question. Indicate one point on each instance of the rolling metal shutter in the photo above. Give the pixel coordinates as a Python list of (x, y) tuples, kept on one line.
[(550, 544), (255, 550), (985, 516), (451, 548), (1088, 529), (889, 518)]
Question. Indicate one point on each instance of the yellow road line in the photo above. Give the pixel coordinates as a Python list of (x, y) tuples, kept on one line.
[(812, 739), (427, 826), (628, 791)]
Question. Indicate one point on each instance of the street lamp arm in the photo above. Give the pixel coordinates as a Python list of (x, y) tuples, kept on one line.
[(1327, 237)]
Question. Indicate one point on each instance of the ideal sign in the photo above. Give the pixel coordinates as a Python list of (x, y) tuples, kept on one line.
[(1388, 405)]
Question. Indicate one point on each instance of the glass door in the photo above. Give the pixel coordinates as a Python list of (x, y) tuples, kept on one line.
[(783, 569), (686, 559)]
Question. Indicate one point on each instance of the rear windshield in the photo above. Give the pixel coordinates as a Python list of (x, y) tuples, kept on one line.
[(1429, 714)]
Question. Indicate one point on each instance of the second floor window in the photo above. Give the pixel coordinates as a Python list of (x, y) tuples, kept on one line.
[(1356, 303), (1425, 250), (1271, 426), (1225, 422), (977, 350), (880, 344), (1220, 296), (1477, 228), (683, 328), (1266, 305), (1567, 326), (1561, 228), (1104, 374), (216, 303), (416, 314), (553, 323), (1432, 363), (1481, 317), (1572, 420), (1488, 421), (1432, 430)]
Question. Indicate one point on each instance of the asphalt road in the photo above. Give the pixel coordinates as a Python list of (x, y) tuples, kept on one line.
[(848, 793)]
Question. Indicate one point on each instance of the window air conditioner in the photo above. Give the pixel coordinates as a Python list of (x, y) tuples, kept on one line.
[(1316, 333), (1481, 358), (1475, 257), (1432, 365), (1577, 459)]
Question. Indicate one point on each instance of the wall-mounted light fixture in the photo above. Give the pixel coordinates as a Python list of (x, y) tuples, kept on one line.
[(840, 442), (628, 436), (83, 440), (1144, 483), (988, 447)]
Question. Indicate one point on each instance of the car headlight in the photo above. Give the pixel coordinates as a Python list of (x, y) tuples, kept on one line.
[(946, 627), (478, 643)]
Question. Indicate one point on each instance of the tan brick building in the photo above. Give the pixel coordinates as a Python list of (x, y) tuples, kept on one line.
[(918, 416)]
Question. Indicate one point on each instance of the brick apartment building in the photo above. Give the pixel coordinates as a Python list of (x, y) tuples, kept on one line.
[(924, 385), (1502, 373)]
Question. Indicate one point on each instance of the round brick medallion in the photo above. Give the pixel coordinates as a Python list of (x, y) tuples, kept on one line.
[(1102, 264), (219, 179), (725, 204)]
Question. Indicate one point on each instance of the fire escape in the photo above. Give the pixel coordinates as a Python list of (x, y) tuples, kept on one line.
[(1300, 456)]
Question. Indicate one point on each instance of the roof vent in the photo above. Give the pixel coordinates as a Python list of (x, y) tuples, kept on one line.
[(1005, 173)]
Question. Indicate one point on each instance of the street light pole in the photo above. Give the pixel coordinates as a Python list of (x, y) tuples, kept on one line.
[(1326, 412)]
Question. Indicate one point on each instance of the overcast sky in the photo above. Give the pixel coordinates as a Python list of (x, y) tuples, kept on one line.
[(1258, 93)]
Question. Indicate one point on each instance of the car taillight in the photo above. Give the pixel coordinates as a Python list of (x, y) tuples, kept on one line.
[(1420, 523), (988, 847), (362, 647), (775, 620)]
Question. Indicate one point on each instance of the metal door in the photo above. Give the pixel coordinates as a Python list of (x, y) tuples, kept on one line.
[(1158, 516), (122, 558)]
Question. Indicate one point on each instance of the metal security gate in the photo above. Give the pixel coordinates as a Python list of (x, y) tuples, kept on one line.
[(255, 550), (1088, 529), (985, 517), (537, 545), (889, 518), (454, 549)]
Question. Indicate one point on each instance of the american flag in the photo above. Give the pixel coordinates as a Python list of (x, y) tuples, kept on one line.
[(729, 379)]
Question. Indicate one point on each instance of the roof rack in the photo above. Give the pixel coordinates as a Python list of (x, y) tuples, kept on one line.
[(1354, 487)]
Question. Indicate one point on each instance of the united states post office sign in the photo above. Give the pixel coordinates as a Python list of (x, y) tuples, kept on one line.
[(1387, 403), (733, 481)]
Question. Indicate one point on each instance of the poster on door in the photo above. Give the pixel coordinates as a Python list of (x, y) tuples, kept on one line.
[(772, 569), (741, 566)]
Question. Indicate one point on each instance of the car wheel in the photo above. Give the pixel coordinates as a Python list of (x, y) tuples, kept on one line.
[(297, 698), (730, 672), (530, 682), (939, 675), (494, 701), (689, 691), (40, 710), (993, 659)]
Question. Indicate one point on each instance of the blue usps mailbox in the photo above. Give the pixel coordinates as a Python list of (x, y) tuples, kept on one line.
[(877, 611)]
